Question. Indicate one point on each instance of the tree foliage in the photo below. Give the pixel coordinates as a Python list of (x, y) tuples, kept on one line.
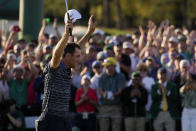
[(133, 12)]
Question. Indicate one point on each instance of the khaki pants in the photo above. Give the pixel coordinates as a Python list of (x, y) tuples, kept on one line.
[(113, 112), (135, 124), (164, 119)]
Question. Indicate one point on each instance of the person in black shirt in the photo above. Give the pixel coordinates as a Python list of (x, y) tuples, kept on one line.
[(123, 61), (134, 99), (55, 114)]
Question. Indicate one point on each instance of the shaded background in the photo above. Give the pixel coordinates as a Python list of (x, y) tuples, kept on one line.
[(128, 13), (121, 14)]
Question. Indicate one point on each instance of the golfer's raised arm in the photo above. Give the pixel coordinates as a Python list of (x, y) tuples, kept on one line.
[(59, 49), (91, 29)]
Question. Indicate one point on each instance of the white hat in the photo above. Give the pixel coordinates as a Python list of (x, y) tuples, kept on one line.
[(85, 77), (73, 14), (128, 35), (178, 30), (52, 36), (99, 32), (173, 39), (18, 67), (126, 45), (11, 55)]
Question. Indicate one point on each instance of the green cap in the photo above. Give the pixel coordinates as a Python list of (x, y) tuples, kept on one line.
[(47, 57), (106, 47), (135, 74)]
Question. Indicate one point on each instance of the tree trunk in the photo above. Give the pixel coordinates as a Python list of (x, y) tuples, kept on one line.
[(106, 13), (118, 14)]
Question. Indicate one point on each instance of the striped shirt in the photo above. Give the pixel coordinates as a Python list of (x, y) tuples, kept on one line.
[(57, 90)]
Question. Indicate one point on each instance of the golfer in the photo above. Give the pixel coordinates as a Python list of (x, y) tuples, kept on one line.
[(57, 81)]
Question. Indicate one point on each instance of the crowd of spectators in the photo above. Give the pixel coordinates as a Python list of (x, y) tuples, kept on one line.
[(140, 81)]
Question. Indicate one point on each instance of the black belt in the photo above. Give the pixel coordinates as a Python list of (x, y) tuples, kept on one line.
[(67, 116)]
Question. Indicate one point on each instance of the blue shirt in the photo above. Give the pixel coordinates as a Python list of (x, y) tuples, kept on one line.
[(113, 84)]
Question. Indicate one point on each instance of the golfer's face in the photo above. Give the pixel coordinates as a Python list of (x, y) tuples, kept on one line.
[(76, 57)]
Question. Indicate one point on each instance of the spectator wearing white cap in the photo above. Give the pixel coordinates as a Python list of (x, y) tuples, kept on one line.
[(128, 38), (123, 60), (127, 48), (22, 75), (52, 40), (182, 47), (172, 43), (178, 31), (132, 53), (18, 86), (169, 42), (180, 80)]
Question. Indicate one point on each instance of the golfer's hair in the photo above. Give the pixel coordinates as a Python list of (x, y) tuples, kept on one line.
[(70, 48)]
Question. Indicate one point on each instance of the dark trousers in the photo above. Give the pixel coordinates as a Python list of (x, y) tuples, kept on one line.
[(52, 123), (85, 124)]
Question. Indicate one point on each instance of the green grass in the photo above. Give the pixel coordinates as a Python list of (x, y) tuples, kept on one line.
[(115, 31)]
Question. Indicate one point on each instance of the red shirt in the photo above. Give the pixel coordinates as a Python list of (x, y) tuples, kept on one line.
[(85, 106), (31, 94)]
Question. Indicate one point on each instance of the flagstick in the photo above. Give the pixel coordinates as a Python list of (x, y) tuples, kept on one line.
[(70, 31)]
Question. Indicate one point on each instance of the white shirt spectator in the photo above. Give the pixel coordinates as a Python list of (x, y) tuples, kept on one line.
[(95, 84), (148, 82), (76, 80), (134, 61)]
